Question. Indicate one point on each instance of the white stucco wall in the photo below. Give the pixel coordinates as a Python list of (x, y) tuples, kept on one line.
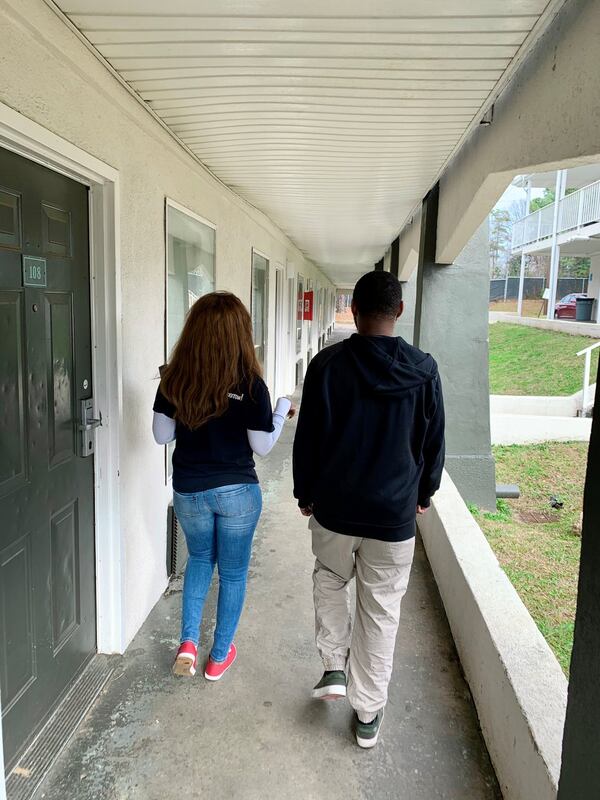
[(48, 75)]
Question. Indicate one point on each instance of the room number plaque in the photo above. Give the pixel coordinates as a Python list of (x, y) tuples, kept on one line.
[(34, 271)]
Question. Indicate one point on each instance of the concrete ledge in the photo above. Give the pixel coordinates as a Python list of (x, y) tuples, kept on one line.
[(524, 429), (563, 326), (539, 405), (518, 686)]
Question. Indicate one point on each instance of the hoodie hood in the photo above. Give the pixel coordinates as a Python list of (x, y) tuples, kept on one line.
[(403, 370)]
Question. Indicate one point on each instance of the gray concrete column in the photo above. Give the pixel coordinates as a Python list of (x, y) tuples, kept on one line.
[(451, 323), (405, 326)]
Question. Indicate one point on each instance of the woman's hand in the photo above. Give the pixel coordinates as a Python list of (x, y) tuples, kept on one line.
[(285, 407)]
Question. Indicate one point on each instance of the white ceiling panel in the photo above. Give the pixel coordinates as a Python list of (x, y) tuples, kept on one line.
[(332, 116)]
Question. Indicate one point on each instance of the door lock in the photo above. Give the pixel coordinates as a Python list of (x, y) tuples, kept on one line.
[(86, 428)]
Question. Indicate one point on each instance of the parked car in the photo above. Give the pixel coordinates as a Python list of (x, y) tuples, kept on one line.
[(565, 308)]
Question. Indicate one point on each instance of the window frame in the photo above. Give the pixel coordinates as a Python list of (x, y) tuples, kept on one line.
[(299, 323), (170, 203), (265, 343)]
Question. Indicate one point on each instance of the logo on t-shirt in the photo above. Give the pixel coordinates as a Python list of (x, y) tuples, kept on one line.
[(233, 396)]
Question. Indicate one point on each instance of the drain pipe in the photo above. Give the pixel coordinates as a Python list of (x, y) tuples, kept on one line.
[(508, 490)]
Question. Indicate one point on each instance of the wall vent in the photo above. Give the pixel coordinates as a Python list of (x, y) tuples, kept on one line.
[(177, 552)]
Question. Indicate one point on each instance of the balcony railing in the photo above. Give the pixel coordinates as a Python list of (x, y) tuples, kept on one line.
[(574, 211)]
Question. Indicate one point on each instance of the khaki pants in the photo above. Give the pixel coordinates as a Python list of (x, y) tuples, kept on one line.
[(365, 650)]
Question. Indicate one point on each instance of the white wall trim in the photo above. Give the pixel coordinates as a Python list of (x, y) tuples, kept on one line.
[(261, 254), (192, 214), (27, 138)]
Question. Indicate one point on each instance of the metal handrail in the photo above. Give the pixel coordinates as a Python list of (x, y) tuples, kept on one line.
[(586, 371), (575, 210)]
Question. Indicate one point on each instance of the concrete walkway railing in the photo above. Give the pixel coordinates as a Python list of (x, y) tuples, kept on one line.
[(518, 686)]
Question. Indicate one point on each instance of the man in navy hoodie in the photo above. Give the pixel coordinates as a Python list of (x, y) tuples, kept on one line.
[(368, 456)]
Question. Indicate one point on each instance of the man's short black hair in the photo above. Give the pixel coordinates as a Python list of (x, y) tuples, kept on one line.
[(378, 294)]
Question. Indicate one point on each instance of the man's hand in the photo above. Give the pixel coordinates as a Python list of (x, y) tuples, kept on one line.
[(307, 512), (421, 510), (292, 412)]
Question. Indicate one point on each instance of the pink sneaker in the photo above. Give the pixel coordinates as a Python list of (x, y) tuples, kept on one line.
[(185, 662), (216, 669)]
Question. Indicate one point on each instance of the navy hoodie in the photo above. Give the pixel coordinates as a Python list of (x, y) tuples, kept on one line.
[(369, 446)]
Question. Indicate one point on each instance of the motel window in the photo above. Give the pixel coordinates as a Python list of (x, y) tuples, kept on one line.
[(299, 313), (260, 293), (190, 266), (190, 249)]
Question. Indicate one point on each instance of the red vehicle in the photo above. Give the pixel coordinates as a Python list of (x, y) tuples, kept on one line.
[(565, 308)]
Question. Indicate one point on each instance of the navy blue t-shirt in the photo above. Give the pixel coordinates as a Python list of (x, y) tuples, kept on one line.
[(218, 453)]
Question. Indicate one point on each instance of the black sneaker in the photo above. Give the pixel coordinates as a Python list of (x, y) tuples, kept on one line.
[(367, 733), (332, 686)]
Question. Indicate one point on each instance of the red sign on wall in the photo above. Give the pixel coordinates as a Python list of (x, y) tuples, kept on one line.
[(308, 305)]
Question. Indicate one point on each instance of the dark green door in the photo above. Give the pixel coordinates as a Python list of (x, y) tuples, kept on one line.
[(47, 577)]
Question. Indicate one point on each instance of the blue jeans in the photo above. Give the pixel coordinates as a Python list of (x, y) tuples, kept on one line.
[(219, 525)]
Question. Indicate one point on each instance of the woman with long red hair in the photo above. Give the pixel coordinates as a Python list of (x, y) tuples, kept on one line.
[(213, 402)]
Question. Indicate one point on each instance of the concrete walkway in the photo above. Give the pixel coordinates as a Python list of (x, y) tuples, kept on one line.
[(562, 325), (530, 429), (257, 734)]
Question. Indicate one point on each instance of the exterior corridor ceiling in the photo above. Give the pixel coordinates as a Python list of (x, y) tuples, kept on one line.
[(334, 117)]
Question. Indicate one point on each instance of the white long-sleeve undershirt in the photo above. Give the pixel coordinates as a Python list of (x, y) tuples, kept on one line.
[(261, 442), (163, 428)]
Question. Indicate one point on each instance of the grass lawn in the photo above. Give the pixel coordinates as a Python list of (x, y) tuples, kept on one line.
[(531, 361), (541, 559), (531, 308)]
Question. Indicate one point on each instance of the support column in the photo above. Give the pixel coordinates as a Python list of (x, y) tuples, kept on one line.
[(523, 257), (559, 193), (405, 326), (395, 257), (580, 773), (593, 289), (451, 322)]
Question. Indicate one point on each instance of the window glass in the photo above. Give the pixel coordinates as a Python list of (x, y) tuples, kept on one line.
[(190, 267), (309, 325), (190, 274), (260, 289), (299, 313)]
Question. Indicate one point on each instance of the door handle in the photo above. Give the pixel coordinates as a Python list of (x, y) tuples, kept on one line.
[(90, 424), (86, 426)]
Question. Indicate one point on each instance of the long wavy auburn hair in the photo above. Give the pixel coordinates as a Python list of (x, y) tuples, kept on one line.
[(213, 356)]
